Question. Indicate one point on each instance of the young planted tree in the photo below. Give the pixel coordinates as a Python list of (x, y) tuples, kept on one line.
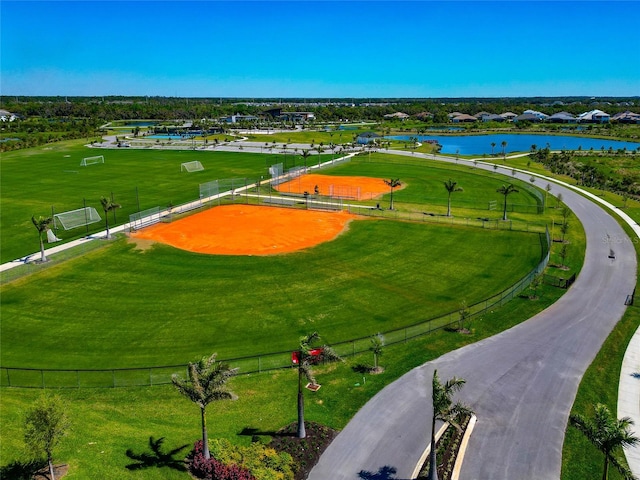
[(451, 186), (463, 314), (108, 205), (308, 354), (376, 347), (607, 434), (536, 281), (547, 190), (506, 190), (44, 426), (392, 183), (444, 410), (41, 223), (564, 251), (206, 383), (564, 229)]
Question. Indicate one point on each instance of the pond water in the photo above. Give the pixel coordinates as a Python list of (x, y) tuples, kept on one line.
[(139, 123), (481, 144), (164, 136)]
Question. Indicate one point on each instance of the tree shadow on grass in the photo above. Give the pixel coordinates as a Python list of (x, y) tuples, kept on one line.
[(18, 470), (156, 458), (256, 432)]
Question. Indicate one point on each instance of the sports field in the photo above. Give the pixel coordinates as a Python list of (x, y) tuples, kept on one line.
[(249, 230), (136, 303), (351, 187)]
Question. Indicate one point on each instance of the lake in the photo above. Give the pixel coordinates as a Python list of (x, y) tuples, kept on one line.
[(481, 144)]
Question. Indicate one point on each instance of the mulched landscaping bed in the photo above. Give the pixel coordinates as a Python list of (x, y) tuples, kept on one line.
[(305, 451), (447, 448)]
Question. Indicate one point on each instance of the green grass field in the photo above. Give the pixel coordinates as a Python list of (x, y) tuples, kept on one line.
[(35, 180), (166, 306), (45, 179), (107, 422)]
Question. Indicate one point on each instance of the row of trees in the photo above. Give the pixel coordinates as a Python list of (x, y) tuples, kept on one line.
[(113, 108), (453, 187)]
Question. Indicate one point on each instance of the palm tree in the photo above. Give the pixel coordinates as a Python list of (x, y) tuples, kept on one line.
[(393, 183), (504, 146), (493, 146), (445, 410), (206, 383), (108, 205), (305, 154), (607, 434), (451, 187), (306, 355), (506, 190), (41, 223), (376, 347), (319, 149)]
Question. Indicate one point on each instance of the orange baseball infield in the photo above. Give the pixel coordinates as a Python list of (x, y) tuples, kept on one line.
[(359, 188), (249, 230)]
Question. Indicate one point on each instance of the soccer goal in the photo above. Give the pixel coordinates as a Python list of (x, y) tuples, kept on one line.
[(76, 218), (194, 166), (86, 161)]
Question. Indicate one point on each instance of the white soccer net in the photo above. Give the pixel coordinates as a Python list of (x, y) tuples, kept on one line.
[(92, 160), (194, 166), (76, 218)]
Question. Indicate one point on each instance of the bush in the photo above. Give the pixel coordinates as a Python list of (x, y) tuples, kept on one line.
[(213, 469), (231, 462)]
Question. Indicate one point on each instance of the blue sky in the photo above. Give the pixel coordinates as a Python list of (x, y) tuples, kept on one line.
[(336, 49)]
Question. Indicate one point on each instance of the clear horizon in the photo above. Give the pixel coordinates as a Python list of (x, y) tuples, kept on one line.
[(320, 49)]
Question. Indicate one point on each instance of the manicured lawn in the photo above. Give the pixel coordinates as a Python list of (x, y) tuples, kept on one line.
[(122, 307), (36, 180), (107, 422)]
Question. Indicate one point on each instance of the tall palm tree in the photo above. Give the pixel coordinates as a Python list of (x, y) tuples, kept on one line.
[(309, 353), (493, 146), (319, 149), (41, 223), (451, 187), (305, 154), (206, 383), (607, 434), (444, 410), (504, 146), (108, 205), (393, 183), (506, 190)]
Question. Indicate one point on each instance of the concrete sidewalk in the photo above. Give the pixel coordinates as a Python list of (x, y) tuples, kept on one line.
[(629, 397)]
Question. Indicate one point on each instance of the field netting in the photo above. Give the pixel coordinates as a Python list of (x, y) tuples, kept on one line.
[(144, 218)]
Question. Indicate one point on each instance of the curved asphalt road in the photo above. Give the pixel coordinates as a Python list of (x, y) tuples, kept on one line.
[(521, 383)]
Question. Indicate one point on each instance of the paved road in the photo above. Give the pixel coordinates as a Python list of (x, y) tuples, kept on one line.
[(521, 383)]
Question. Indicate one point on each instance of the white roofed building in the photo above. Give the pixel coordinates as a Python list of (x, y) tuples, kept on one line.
[(594, 116)]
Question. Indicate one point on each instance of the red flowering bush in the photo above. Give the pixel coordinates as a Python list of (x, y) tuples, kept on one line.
[(213, 469)]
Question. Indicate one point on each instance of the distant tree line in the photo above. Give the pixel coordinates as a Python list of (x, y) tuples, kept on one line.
[(169, 108)]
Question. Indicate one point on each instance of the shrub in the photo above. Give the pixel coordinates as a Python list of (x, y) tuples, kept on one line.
[(232, 462), (213, 469)]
